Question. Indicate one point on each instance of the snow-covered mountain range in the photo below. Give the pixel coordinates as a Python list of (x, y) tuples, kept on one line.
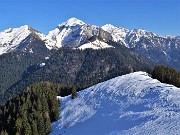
[(132, 104), (77, 34), (72, 33)]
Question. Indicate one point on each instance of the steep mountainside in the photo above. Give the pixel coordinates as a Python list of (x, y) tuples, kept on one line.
[(71, 66), (133, 104), (17, 65)]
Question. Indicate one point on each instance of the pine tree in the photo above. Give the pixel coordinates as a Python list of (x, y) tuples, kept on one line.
[(26, 128), (47, 123), (74, 92), (34, 128), (18, 125), (3, 133), (41, 127)]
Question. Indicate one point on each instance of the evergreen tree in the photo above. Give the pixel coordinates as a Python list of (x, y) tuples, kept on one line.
[(34, 128), (166, 75), (41, 126), (74, 92), (3, 133), (18, 125), (47, 123)]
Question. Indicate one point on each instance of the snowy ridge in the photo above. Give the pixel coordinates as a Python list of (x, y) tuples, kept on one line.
[(11, 38), (128, 37), (118, 34), (133, 104)]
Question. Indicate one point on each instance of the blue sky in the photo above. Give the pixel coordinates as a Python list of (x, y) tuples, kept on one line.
[(159, 16)]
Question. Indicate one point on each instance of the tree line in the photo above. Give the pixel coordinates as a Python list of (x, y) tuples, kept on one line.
[(33, 111), (166, 75)]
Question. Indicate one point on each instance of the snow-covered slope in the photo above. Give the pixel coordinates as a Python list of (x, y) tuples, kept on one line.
[(129, 38), (118, 33), (13, 38), (133, 104), (97, 44)]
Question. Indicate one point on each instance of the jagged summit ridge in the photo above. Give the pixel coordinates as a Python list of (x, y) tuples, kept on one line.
[(128, 37)]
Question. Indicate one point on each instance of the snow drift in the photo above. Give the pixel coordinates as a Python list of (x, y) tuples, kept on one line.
[(133, 104)]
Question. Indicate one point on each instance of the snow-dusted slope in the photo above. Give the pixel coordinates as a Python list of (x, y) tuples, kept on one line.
[(133, 104), (12, 38)]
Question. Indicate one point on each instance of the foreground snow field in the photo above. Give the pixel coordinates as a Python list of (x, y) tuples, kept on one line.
[(133, 104)]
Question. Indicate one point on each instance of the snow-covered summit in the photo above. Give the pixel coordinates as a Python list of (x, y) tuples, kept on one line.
[(72, 22), (67, 33), (132, 104), (12, 38), (73, 33)]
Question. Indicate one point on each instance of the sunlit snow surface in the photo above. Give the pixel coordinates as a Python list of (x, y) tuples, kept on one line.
[(97, 44), (11, 38), (133, 104)]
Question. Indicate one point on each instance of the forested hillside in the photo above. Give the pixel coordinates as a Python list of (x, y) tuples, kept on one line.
[(31, 112), (14, 66), (83, 68)]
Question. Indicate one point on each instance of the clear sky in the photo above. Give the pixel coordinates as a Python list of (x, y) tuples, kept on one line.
[(159, 16)]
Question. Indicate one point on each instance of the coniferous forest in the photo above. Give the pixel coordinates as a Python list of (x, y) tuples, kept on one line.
[(70, 66), (166, 75), (32, 112)]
